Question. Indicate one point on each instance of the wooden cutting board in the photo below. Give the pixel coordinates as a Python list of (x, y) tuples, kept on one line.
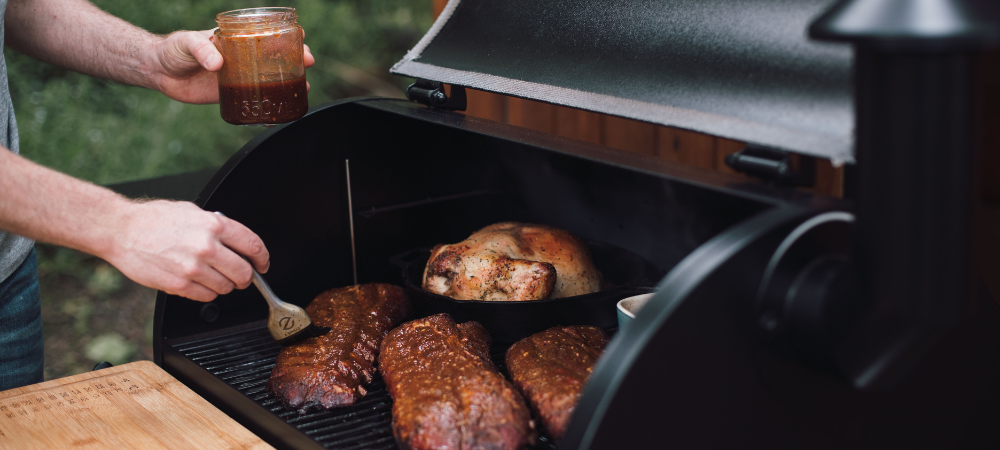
[(132, 406)]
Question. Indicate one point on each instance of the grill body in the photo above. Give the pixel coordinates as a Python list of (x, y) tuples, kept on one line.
[(711, 362), (419, 177), (422, 176)]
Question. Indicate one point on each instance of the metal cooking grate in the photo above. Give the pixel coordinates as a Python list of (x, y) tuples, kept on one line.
[(244, 360)]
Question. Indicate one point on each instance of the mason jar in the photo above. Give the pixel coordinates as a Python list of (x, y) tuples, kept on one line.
[(263, 76)]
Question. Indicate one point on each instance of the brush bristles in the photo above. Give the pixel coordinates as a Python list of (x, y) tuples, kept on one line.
[(308, 332)]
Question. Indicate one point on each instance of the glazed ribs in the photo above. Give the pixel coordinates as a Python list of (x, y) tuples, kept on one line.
[(331, 370), (550, 369), (447, 393)]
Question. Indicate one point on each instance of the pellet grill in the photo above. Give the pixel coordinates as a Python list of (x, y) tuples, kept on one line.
[(783, 320)]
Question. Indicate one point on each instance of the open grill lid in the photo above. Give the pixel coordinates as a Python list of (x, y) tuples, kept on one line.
[(742, 69)]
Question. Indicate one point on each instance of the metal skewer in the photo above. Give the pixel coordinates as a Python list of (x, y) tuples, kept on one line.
[(350, 220)]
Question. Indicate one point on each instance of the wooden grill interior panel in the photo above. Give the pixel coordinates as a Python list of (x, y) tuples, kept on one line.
[(672, 144)]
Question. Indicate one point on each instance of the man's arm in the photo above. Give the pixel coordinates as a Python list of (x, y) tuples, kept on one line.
[(172, 246), (79, 36)]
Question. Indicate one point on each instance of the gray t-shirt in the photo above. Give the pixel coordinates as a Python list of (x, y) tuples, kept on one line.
[(13, 248)]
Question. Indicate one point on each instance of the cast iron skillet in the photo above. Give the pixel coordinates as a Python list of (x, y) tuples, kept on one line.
[(625, 273)]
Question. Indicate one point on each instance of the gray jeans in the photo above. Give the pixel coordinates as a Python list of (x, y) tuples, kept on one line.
[(21, 350)]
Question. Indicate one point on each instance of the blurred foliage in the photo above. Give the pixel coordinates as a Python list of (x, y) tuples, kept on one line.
[(90, 313), (110, 347), (106, 132)]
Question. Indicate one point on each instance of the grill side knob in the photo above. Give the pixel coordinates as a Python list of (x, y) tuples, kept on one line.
[(210, 312)]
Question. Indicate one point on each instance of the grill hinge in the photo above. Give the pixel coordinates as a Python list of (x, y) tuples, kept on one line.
[(431, 93), (774, 166)]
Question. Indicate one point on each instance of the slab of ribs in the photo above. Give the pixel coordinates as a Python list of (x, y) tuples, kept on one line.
[(446, 391), (332, 370), (550, 369)]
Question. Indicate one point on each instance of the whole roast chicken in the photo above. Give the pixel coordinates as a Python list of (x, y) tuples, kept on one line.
[(512, 261)]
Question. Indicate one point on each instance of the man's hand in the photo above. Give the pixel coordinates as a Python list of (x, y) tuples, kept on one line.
[(183, 65), (172, 246), (79, 36), (180, 249)]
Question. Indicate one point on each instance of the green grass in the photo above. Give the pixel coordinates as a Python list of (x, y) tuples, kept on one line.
[(105, 132)]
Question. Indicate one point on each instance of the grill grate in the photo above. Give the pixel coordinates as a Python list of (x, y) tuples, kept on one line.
[(244, 360)]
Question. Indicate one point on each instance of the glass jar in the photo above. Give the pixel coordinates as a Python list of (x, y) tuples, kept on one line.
[(263, 76)]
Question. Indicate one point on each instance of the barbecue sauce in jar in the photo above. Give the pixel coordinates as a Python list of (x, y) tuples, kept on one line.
[(263, 79)]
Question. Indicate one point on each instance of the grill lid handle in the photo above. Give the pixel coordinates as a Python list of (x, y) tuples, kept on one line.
[(431, 93), (774, 166)]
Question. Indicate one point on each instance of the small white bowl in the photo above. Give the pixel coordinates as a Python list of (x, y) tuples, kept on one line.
[(629, 307)]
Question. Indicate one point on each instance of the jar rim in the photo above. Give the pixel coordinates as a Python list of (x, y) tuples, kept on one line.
[(270, 13)]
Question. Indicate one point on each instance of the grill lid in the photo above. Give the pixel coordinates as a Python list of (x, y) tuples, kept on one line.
[(742, 69)]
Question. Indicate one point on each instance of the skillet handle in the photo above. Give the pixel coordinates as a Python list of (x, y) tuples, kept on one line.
[(403, 260)]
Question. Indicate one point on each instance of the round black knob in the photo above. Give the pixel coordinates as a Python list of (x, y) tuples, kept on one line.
[(210, 312)]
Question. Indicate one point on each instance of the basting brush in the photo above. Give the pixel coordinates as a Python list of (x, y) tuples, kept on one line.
[(287, 323)]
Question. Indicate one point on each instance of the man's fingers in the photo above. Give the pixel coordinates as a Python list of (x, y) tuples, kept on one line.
[(184, 53), (232, 266), (245, 242), (208, 276), (181, 249), (307, 57), (191, 290), (199, 44)]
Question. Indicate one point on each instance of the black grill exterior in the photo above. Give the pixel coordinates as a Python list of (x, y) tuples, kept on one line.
[(887, 339), (419, 177), (695, 370)]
